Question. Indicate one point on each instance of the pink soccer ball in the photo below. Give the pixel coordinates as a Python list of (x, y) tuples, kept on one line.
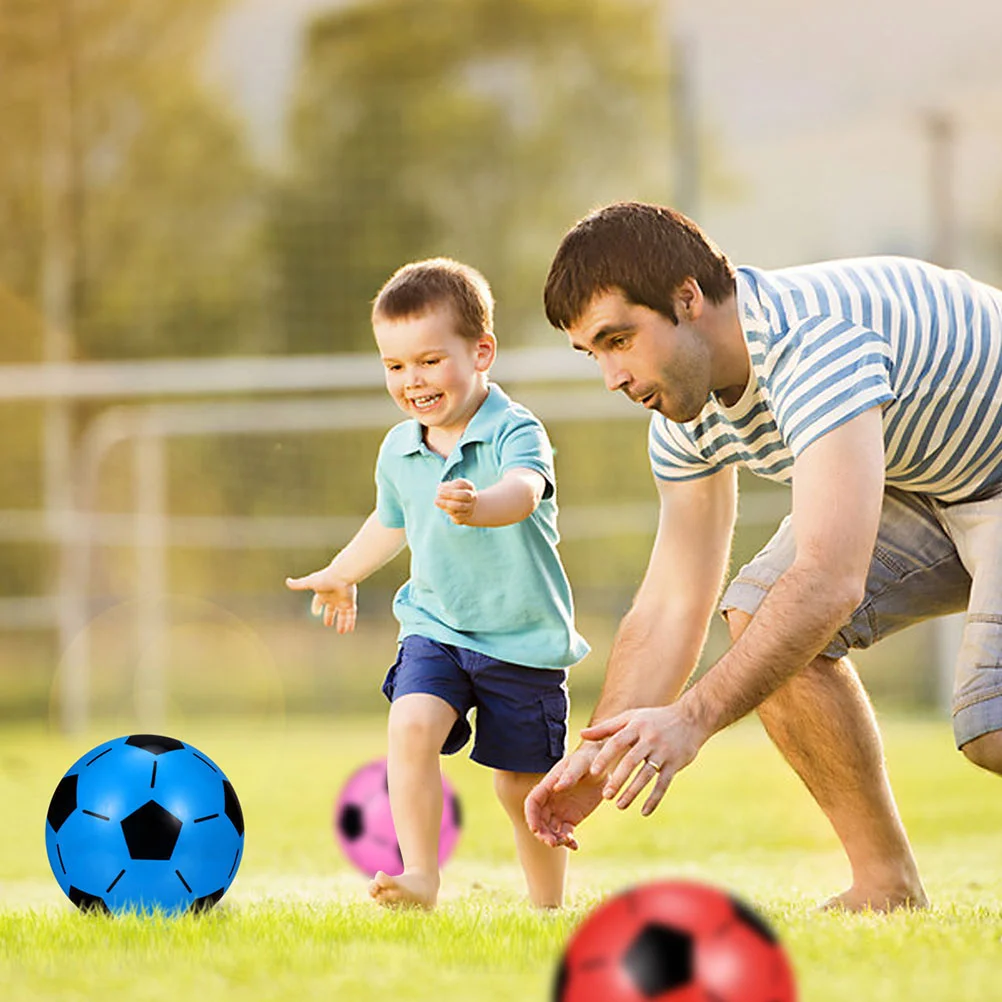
[(364, 828)]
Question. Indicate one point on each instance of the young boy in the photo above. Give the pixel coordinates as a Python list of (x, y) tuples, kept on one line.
[(486, 618)]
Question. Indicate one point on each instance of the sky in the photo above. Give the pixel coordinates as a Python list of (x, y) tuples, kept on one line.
[(817, 114)]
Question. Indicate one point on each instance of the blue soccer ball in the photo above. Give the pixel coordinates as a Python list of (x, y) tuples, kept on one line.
[(143, 823)]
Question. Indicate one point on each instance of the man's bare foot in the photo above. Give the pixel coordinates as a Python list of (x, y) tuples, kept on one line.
[(858, 900), (412, 889)]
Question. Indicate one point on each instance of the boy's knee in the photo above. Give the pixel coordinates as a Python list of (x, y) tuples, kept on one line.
[(512, 788), (985, 751), (415, 725)]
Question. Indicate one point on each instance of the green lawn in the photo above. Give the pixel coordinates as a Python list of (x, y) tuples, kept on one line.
[(297, 925)]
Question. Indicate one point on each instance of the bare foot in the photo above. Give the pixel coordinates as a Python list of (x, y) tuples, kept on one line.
[(858, 900), (412, 889)]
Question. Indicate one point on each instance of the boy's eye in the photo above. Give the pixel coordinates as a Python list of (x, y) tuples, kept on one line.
[(431, 361)]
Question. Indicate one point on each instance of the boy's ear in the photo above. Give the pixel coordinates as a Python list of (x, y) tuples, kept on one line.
[(487, 349)]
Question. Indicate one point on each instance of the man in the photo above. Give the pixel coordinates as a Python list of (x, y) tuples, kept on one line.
[(874, 386)]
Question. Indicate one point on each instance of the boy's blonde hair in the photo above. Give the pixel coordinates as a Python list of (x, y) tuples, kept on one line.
[(420, 286)]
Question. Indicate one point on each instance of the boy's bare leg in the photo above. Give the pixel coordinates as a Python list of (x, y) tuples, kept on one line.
[(419, 723), (545, 868), (822, 722)]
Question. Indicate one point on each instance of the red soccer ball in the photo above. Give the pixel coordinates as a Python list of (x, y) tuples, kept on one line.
[(674, 941)]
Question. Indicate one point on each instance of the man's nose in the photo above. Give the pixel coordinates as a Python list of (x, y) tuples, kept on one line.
[(614, 375)]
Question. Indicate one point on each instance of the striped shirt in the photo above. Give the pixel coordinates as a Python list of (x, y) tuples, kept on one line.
[(829, 341)]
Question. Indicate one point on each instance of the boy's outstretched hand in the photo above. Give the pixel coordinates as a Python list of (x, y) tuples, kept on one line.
[(458, 499), (334, 598)]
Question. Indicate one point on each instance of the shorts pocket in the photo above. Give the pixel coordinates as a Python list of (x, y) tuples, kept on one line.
[(554, 707)]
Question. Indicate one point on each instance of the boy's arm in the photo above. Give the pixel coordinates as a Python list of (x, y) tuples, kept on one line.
[(334, 585), (514, 497)]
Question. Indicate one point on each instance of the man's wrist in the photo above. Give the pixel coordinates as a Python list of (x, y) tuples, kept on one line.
[(698, 711)]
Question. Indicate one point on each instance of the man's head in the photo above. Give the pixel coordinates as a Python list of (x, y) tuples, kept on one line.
[(646, 251), (638, 287), (433, 324)]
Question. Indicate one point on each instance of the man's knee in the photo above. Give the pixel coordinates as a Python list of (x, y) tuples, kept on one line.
[(985, 751), (737, 622)]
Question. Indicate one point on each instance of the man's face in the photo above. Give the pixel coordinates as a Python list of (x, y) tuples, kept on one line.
[(664, 366)]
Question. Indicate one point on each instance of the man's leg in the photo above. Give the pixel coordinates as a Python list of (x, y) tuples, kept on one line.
[(976, 527), (822, 723), (986, 751)]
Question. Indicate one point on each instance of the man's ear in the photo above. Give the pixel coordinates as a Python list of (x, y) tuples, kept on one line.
[(689, 300), (487, 350)]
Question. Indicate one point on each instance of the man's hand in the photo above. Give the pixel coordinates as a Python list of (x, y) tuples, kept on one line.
[(652, 742), (458, 499), (564, 797), (334, 598)]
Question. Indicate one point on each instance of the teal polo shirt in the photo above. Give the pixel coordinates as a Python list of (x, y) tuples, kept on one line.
[(501, 591)]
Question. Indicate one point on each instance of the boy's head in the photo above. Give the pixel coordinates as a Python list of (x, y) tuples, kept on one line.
[(422, 286), (646, 251), (433, 324)]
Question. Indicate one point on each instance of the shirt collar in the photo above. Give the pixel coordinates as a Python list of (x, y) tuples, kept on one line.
[(481, 426)]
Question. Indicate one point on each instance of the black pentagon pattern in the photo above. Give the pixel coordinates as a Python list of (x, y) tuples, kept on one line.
[(232, 808), (63, 802), (151, 832), (659, 959), (155, 744), (349, 822), (87, 902), (560, 983), (753, 919), (207, 901)]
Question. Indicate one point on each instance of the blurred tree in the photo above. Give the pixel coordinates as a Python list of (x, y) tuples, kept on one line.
[(479, 129), (121, 165), (131, 218)]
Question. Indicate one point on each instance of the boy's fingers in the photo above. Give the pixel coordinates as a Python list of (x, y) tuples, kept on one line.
[(298, 584), (316, 605)]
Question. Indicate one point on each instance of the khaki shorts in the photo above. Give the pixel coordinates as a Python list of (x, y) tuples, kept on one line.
[(930, 559)]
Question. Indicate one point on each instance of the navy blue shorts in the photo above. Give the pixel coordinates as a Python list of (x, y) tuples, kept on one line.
[(521, 712)]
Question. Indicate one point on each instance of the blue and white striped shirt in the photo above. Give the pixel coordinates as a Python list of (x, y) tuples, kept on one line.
[(828, 341)]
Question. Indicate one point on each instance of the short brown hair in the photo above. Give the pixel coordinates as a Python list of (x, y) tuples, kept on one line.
[(644, 250), (420, 286)]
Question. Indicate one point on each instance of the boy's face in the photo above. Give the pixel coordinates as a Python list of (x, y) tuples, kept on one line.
[(432, 373)]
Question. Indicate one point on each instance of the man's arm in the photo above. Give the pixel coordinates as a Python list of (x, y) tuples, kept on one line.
[(837, 495), (658, 641)]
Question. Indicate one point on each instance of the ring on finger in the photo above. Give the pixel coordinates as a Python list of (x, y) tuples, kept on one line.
[(654, 765)]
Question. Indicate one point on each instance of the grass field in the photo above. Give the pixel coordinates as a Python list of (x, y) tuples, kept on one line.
[(297, 925)]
